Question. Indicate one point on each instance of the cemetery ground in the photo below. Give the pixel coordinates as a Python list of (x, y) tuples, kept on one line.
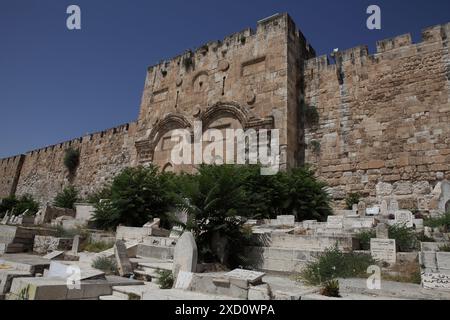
[(107, 250)]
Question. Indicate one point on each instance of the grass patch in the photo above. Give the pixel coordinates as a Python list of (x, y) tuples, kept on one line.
[(107, 265), (97, 247), (405, 273), (334, 264)]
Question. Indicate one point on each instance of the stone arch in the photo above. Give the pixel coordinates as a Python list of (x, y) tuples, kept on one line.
[(169, 123), (146, 146), (223, 110)]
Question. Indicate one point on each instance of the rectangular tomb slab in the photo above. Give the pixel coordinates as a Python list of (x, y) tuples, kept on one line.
[(24, 262), (383, 250), (57, 289), (7, 276), (252, 277), (436, 281)]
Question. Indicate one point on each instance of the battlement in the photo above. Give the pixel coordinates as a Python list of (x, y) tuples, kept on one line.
[(95, 137), (272, 25), (430, 35)]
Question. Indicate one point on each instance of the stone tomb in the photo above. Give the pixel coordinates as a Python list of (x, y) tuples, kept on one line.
[(436, 281), (123, 262), (185, 255), (382, 231), (335, 222), (184, 280), (404, 217), (383, 250), (251, 277)]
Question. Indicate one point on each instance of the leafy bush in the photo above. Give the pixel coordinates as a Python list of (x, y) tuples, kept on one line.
[(334, 264), (330, 289), (352, 198), (217, 199), (67, 198), (136, 196), (439, 222), (405, 238), (19, 205), (8, 204), (445, 248), (71, 160), (421, 237), (105, 264), (364, 238), (165, 280), (26, 202)]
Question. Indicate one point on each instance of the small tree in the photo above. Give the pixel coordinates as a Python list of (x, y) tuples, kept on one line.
[(67, 198), (135, 196)]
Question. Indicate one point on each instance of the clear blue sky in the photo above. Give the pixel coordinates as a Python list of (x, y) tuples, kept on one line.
[(57, 84)]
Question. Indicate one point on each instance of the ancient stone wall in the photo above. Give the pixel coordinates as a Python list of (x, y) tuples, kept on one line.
[(384, 118), (9, 175), (102, 155), (244, 77)]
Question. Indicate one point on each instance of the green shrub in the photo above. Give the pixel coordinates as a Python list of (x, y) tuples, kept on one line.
[(19, 205), (8, 204), (165, 280), (364, 238), (421, 237), (439, 222), (352, 198), (105, 264), (445, 248), (216, 199), (67, 198), (405, 238), (26, 202), (72, 160), (330, 289), (334, 264), (136, 196)]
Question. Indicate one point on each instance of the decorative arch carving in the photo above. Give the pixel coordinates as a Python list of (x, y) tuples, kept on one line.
[(233, 109), (146, 147)]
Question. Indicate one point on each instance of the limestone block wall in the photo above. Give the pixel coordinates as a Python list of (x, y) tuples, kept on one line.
[(384, 118), (9, 175), (102, 155), (243, 77)]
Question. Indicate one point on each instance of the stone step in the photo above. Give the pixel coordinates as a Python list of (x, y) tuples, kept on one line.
[(15, 248)]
